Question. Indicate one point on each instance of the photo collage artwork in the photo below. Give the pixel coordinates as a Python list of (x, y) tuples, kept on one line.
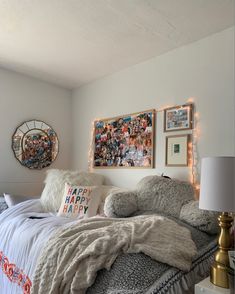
[(125, 141)]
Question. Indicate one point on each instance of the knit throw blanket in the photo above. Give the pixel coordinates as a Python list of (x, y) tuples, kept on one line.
[(72, 257)]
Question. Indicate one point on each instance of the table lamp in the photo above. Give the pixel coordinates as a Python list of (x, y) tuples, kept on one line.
[(217, 192)]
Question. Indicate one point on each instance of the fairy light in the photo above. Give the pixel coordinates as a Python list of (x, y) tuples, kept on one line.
[(190, 161), (193, 161), (195, 138), (190, 100)]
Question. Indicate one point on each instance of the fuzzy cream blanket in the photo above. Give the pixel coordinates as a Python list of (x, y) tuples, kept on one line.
[(73, 256)]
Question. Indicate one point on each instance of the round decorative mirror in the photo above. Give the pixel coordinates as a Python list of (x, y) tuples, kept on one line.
[(35, 144)]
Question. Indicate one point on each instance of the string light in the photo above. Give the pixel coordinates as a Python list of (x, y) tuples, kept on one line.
[(195, 138), (192, 145), (190, 100)]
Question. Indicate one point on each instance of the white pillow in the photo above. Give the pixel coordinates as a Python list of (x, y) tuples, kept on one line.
[(55, 181), (12, 200), (80, 201)]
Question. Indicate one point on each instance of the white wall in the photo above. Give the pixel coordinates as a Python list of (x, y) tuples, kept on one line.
[(203, 70), (23, 98)]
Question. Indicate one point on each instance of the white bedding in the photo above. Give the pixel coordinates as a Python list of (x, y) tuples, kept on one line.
[(23, 230), (21, 248)]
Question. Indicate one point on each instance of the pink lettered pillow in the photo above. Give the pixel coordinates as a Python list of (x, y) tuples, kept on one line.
[(80, 201)]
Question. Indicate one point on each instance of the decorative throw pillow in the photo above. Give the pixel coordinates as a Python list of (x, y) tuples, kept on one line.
[(80, 201), (55, 180)]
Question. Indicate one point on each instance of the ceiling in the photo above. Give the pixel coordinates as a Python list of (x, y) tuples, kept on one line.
[(72, 42)]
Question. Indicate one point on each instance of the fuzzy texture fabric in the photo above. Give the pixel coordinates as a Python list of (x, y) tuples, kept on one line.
[(105, 191), (52, 194), (120, 204), (153, 193), (139, 274), (73, 256), (163, 195), (204, 220)]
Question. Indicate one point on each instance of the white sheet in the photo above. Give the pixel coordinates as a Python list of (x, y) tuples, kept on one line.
[(22, 239)]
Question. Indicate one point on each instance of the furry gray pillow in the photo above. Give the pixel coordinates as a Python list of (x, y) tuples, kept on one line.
[(120, 204), (153, 193), (204, 220), (163, 194), (105, 191)]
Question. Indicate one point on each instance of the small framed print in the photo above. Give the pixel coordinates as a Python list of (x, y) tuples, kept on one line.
[(177, 150), (178, 118)]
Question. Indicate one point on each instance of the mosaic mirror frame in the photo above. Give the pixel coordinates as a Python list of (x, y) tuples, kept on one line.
[(35, 144)]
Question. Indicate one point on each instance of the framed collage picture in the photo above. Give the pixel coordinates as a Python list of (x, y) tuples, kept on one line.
[(177, 150), (178, 118), (125, 142)]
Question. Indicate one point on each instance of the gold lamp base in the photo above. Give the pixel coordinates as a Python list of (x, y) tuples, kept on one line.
[(219, 270), (219, 276)]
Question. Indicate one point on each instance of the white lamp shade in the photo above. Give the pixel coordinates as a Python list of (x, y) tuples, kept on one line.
[(217, 189)]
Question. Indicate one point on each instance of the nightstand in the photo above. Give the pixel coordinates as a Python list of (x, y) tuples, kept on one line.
[(207, 287)]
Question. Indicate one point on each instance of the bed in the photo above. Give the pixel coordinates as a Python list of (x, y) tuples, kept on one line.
[(26, 230)]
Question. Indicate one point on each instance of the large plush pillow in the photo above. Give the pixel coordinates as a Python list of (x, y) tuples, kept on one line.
[(204, 220), (163, 194), (12, 200), (3, 204), (55, 182), (153, 193), (80, 201)]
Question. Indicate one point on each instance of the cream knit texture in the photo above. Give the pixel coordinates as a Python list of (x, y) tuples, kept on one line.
[(73, 256)]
